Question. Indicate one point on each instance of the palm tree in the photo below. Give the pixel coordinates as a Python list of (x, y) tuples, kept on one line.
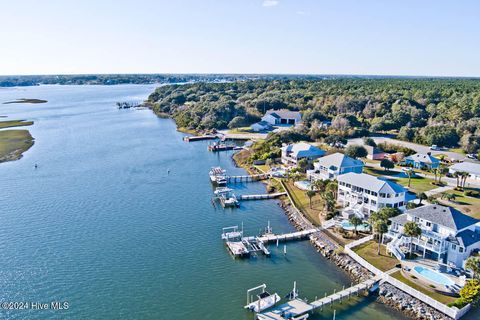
[(332, 187), (457, 176), (410, 174), (319, 185), (464, 175), (441, 171), (411, 229), (422, 196), (380, 227), (310, 195), (435, 172), (473, 264), (355, 221)]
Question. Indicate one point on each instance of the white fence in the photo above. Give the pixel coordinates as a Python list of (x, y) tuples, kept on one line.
[(359, 259), (452, 312)]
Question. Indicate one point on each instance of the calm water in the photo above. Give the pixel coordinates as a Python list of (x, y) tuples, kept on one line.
[(101, 224)]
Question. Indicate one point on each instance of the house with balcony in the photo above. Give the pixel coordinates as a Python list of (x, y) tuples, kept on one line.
[(448, 236), (282, 117), (361, 194), (422, 161), (293, 153), (331, 166)]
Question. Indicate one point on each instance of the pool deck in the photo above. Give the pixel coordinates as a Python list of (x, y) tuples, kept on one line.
[(430, 264)]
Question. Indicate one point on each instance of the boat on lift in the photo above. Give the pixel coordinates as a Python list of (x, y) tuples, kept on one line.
[(218, 176), (265, 299)]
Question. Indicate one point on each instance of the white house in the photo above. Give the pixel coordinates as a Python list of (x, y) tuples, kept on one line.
[(448, 236), (292, 153), (261, 126), (282, 117), (331, 166), (473, 169), (362, 194)]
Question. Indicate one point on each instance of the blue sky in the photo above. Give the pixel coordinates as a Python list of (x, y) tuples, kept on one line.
[(408, 37)]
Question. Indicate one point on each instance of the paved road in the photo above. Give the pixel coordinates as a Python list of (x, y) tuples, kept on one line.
[(417, 147)]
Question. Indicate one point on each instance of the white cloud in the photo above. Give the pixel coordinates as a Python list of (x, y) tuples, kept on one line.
[(270, 3)]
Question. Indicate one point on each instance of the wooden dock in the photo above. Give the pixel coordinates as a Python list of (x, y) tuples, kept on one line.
[(262, 196), (270, 237), (248, 178), (199, 138), (298, 307)]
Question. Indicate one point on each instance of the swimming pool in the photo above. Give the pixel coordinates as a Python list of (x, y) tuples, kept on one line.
[(346, 225), (433, 276), (303, 185)]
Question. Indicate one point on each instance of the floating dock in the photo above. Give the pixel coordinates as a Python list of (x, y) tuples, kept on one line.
[(199, 138), (299, 309), (221, 147)]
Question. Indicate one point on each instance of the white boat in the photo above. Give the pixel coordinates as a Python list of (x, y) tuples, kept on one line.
[(222, 190), (265, 299), (217, 176)]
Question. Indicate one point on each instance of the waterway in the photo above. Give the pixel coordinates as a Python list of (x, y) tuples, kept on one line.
[(117, 219)]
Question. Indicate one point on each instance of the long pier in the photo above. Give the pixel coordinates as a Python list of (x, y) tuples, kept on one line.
[(248, 178), (297, 308), (199, 138), (262, 196)]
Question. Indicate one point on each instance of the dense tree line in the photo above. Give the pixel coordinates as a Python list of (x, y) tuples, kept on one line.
[(444, 112)]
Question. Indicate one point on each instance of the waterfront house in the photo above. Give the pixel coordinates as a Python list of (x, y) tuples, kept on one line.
[(448, 236), (282, 117), (473, 169), (374, 153), (261, 126), (362, 194), (422, 161), (331, 166), (292, 153)]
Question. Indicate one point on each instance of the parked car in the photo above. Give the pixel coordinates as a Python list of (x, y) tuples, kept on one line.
[(472, 156), (435, 147)]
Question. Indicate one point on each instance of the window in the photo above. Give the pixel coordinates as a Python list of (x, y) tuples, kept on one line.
[(382, 195), (428, 224), (460, 249), (389, 205), (454, 246), (400, 204), (374, 194), (373, 202)]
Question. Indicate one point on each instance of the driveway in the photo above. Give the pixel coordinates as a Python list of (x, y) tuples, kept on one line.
[(417, 147)]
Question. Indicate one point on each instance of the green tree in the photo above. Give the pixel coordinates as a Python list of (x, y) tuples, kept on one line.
[(302, 164), (369, 142), (473, 264), (470, 293), (310, 195), (387, 164), (355, 221), (421, 196), (412, 230), (356, 151), (380, 228)]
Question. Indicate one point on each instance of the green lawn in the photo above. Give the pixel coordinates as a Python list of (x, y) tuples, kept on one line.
[(303, 203), (14, 123), (369, 252), (379, 172), (429, 292), (417, 184), (468, 205), (13, 143), (241, 130)]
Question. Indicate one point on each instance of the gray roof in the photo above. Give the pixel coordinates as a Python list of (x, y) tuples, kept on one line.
[(303, 150), (285, 114), (369, 182), (467, 238), (338, 160), (263, 124), (470, 167), (425, 158), (400, 219), (445, 216)]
